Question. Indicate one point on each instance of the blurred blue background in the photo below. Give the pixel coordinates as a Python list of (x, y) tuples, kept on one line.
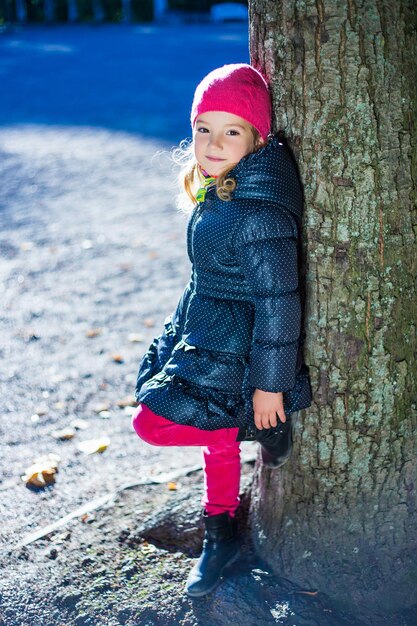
[(134, 78)]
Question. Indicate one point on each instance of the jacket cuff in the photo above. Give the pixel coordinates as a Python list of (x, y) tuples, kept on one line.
[(273, 367)]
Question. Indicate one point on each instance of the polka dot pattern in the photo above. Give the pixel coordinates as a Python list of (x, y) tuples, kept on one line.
[(237, 324)]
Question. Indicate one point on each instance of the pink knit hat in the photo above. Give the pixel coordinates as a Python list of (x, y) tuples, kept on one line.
[(239, 89)]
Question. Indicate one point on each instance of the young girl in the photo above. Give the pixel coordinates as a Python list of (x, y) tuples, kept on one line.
[(228, 366)]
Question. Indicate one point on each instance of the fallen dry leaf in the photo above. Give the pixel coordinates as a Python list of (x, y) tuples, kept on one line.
[(126, 401), (27, 245), (104, 406), (147, 548), (125, 267), (117, 358), (136, 338), (40, 478), (307, 593), (41, 410), (59, 405), (90, 446), (79, 424), (64, 434), (59, 539), (172, 486), (105, 415), (42, 472), (149, 322), (93, 332), (57, 378)]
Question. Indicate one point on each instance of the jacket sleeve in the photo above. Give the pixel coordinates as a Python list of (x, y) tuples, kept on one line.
[(266, 249)]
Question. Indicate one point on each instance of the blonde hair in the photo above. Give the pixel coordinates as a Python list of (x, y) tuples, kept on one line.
[(190, 177)]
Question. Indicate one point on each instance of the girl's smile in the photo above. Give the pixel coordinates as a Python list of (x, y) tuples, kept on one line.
[(221, 140)]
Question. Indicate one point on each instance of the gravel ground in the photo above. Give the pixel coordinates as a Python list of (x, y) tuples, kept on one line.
[(90, 244)]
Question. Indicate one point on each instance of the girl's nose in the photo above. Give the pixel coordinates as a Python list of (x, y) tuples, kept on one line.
[(215, 141)]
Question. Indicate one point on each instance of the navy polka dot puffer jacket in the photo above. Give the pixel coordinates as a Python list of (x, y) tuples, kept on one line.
[(237, 324)]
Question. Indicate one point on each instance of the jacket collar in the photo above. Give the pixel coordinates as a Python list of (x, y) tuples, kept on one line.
[(269, 174)]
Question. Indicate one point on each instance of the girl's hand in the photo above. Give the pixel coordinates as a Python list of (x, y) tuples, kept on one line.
[(266, 406)]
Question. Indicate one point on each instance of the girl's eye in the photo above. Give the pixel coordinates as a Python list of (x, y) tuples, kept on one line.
[(202, 129), (233, 132)]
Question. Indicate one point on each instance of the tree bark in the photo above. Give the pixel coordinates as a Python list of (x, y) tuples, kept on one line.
[(341, 516), (126, 11), (73, 13), (49, 10), (21, 12), (160, 7), (98, 12)]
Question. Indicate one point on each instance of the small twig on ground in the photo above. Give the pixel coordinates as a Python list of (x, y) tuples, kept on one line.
[(109, 498)]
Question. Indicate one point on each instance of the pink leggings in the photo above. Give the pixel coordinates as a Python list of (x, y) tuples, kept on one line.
[(221, 455)]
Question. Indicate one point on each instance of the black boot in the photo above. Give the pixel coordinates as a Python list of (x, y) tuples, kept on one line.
[(276, 449), (220, 549), (276, 441)]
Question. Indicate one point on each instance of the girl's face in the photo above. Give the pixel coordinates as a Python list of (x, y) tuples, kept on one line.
[(220, 140)]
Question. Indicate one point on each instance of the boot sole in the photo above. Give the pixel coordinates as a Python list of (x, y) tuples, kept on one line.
[(218, 581), (279, 460)]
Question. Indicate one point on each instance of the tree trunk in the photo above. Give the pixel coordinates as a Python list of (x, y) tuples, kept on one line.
[(341, 516), (126, 11), (160, 7), (73, 14), (21, 12), (49, 10), (98, 13)]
